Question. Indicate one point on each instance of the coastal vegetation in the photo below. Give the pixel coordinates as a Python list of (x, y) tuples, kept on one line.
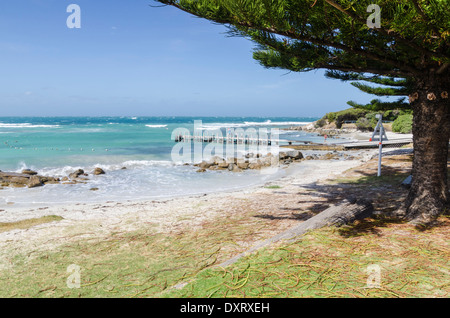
[(365, 120)]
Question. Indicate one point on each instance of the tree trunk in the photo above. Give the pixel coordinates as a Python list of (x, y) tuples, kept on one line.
[(428, 196), (350, 210)]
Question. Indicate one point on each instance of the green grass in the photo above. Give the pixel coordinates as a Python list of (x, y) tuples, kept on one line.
[(273, 187), (125, 265), (327, 263)]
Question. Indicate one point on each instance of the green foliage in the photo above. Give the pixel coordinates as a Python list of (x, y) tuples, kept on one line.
[(393, 114), (381, 91), (351, 114), (403, 124), (320, 123), (378, 105), (331, 117), (364, 124), (364, 119)]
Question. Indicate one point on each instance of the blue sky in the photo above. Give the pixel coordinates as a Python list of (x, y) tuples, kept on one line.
[(129, 59)]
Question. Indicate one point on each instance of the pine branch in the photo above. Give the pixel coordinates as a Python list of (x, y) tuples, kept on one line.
[(389, 33), (378, 105), (381, 91), (376, 79), (424, 16)]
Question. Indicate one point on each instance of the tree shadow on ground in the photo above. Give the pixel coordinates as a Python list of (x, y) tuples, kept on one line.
[(386, 194)]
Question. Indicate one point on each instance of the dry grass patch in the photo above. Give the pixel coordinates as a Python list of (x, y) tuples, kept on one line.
[(26, 224)]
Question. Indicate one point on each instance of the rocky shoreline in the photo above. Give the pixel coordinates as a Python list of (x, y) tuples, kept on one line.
[(330, 130), (31, 179), (249, 161), (258, 161)]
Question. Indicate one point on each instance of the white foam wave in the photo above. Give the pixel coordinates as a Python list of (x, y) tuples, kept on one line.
[(215, 126), (146, 163), (26, 125), (129, 164), (156, 126)]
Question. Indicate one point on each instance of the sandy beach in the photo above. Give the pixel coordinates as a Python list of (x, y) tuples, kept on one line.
[(89, 220)]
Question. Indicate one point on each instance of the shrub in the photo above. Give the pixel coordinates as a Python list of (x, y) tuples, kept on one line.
[(320, 123), (403, 124), (331, 117), (364, 124), (351, 114)]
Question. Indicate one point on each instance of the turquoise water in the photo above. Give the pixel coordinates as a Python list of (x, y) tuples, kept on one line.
[(57, 146)]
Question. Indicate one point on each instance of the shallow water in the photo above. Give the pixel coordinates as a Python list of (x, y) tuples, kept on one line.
[(59, 146)]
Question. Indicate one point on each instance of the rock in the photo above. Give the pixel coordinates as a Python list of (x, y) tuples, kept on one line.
[(17, 185), (243, 165), (13, 177), (232, 160), (266, 162), (21, 180), (93, 189), (76, 174), (65, 179), (329, 156), (201, 170), (215, 160), (49, 180), (282, 155), (234, 167), (254, 165), (34, 182), (29, 172), (223, 165), (205, 165), (294, 154), (98, 171)]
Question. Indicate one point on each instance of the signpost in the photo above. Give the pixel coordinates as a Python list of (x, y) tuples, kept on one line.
[(379, 129)]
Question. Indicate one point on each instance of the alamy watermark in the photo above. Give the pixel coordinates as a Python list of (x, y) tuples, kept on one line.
[(74, 279), (373, 276), (259, 146), (74, 19), (374, 20)]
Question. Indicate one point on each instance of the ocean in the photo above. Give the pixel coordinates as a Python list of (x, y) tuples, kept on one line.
[(137, 154)]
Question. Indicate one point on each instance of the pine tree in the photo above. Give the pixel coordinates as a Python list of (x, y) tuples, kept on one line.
[(408, 39)]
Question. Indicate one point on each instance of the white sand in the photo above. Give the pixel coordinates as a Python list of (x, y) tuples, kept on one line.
[(99, 220)]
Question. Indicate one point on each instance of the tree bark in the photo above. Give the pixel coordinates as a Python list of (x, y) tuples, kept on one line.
[(428, 196)]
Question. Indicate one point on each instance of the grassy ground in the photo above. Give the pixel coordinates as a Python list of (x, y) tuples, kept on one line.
[(26, 224), (339, 263), (330, 262)]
